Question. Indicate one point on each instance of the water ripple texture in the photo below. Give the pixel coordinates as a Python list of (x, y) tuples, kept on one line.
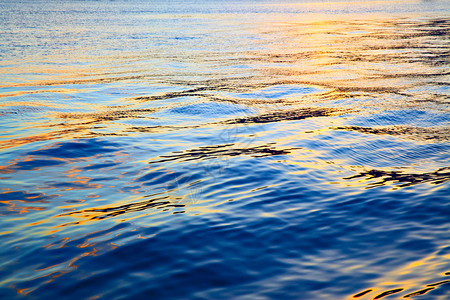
[(210, 149)]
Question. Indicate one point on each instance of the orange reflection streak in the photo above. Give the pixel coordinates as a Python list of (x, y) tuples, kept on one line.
[(162, 200), (15, 164), (101, 246), (77, 81), (332, 54), (25, 291), (62, 243), (6, 170), (75, 125), (67, 133), (13, 207), (93, 196), (33, 104), (37, 223), (90, 243), (55, 274)]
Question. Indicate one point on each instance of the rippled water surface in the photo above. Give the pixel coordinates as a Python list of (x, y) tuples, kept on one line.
[(224, 150)]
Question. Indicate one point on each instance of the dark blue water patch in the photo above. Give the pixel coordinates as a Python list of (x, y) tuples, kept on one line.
[(407, 206), (36, 164), (8, 293), (210, 110), (226, 261), (187, 273), (249, 248), (23, 196), (81, 148), (421, 246)]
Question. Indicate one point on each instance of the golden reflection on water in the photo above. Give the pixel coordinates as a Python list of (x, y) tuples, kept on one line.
[(332, 50), (413, 279), (353, 67)]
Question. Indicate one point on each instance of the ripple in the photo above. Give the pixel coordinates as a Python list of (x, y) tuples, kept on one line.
[(286, 115), (403, 179), (113, 211), (217, 151), (421, 292), (424, 134), (77, 149), (251, 150)]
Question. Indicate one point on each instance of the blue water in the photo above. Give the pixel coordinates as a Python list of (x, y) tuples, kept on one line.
[(224, 150)]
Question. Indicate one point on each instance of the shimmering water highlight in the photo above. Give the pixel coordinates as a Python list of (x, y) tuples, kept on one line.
[(212, 150)]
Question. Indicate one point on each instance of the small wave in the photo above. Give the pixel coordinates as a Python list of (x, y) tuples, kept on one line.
[(403, 179), (113, 211), (108, 115), (418, 133), (421, 292), (209, 152), (287, 115)]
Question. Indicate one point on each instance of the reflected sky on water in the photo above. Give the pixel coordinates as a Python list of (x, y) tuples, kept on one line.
[(210, 150)]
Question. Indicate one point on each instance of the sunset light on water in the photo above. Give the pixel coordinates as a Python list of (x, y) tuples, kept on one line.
[(224, 150)]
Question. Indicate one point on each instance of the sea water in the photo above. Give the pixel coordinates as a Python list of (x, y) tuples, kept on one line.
[(224, 149)]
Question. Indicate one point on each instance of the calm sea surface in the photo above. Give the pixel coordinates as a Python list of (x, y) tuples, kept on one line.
[(224, 150)]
